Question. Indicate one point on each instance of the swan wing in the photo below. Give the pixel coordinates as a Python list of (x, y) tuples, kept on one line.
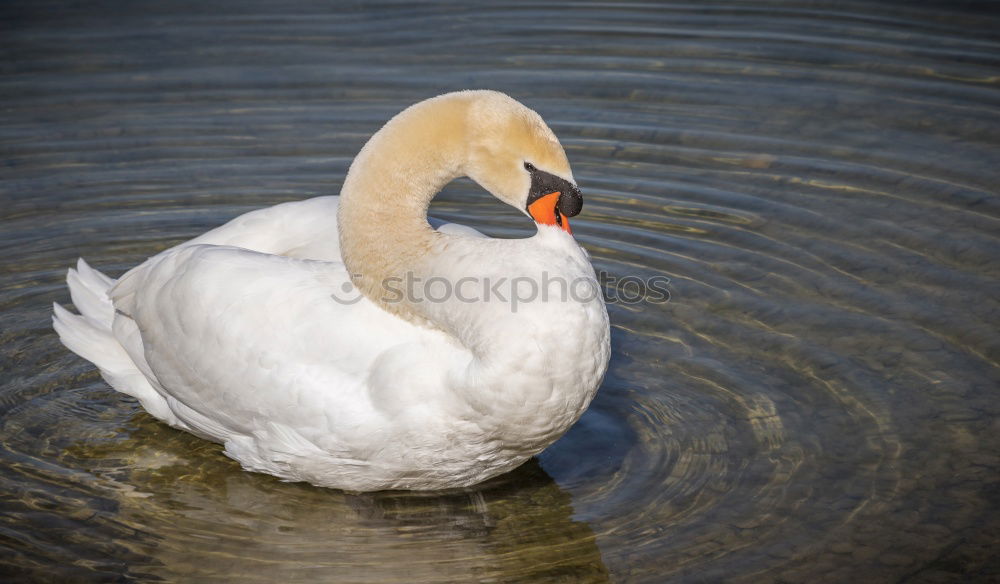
[(454, 228), (304, 229), (240, 342), (253, 335), (299, 229)]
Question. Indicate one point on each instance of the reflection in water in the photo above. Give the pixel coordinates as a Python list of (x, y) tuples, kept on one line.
[(173, 506), (816, 403)]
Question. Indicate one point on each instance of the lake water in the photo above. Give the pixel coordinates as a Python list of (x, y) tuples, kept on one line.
[(817, 402)]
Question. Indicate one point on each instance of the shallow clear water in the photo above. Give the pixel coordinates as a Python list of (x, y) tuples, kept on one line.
[(816, 403)]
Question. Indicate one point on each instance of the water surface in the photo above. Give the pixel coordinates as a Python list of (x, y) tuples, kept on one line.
[(816, 403)]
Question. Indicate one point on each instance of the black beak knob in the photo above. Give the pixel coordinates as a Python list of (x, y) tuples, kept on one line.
[(542, 183), (570, 202)]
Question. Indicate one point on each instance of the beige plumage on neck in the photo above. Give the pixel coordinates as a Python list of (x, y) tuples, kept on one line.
[(484, 135)]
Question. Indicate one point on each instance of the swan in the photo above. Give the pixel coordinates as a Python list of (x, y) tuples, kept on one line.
[(288, 336)]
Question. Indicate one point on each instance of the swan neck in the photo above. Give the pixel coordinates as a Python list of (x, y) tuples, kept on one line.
[(382, 216)]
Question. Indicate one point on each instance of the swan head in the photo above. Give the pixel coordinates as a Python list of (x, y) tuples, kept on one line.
[(514, 155)]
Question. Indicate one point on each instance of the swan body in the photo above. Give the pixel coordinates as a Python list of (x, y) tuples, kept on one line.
[(277, 336)]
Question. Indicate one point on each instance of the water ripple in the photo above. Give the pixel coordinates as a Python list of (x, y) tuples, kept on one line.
[(818, 182)]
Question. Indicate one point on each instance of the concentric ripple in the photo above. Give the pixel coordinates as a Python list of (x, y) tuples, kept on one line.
[(816, 402)]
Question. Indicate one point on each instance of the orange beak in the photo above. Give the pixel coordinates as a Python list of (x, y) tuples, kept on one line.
[(544, 211)]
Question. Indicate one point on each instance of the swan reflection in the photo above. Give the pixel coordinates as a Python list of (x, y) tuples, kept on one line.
[(201, 517)]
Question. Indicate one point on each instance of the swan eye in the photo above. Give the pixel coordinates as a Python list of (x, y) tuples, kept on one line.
[(529, 167)]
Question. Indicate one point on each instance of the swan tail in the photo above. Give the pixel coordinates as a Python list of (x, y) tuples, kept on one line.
[(90, 340), (89, 335), (89, 290)]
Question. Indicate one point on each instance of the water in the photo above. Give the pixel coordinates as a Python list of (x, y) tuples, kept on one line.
[(816, 403)]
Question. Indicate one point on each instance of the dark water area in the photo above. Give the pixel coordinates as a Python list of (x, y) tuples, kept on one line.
[(817, 402)]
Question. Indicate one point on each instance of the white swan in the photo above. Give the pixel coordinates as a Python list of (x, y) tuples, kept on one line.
[(249, 334)]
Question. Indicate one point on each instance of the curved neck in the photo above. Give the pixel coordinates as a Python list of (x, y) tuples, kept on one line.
[(382, 217)]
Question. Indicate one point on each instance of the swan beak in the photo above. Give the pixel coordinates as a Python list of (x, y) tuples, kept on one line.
[(552, 200), (545, 210)]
